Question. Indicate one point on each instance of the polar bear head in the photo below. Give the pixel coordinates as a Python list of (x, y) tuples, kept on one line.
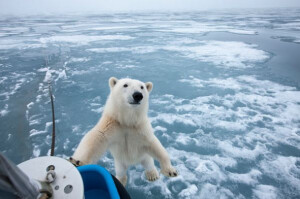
[(128, 100)]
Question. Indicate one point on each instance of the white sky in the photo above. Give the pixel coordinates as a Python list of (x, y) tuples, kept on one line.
[(17, 7)]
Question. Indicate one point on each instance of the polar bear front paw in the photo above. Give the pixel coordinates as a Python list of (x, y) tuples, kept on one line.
[(152, 175), (76, 163), (169, 171)]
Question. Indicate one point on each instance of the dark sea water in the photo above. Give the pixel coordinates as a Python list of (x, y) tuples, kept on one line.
[(225, 103)]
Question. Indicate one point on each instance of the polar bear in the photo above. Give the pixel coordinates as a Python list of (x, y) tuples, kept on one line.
[(125, 130)]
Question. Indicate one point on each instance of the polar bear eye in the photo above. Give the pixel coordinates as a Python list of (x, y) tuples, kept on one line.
[(125, 85), (142, 87)]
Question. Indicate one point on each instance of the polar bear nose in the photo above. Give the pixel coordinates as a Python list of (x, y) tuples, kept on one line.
[(137, 96)]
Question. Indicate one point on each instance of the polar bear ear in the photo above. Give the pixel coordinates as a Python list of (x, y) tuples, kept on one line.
[(112, 82), (149, 86)]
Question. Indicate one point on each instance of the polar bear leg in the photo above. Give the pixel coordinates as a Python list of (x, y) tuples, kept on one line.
[(150, 170), (157, 151), (121, 172)]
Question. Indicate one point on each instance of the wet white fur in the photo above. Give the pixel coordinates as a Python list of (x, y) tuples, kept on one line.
[(125, 130)]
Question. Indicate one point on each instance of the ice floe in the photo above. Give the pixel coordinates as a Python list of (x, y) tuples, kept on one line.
[(227, 54), (223, 53), (83, 39), (137, 49), (79, 59), (61, 74), (34, 132), (4, 111), (266, 191), (205, 28)]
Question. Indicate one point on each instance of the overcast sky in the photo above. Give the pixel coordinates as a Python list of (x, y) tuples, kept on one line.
[(17, 7)]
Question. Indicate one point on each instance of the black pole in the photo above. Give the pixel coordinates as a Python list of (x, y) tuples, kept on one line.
[(53, 122)]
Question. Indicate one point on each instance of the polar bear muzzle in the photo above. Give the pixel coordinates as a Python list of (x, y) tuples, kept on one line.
[(137, 97)]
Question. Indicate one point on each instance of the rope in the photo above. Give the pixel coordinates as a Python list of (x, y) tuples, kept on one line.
[(53, 121)]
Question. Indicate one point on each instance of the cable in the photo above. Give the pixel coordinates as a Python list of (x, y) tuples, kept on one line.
[(53, 121)]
